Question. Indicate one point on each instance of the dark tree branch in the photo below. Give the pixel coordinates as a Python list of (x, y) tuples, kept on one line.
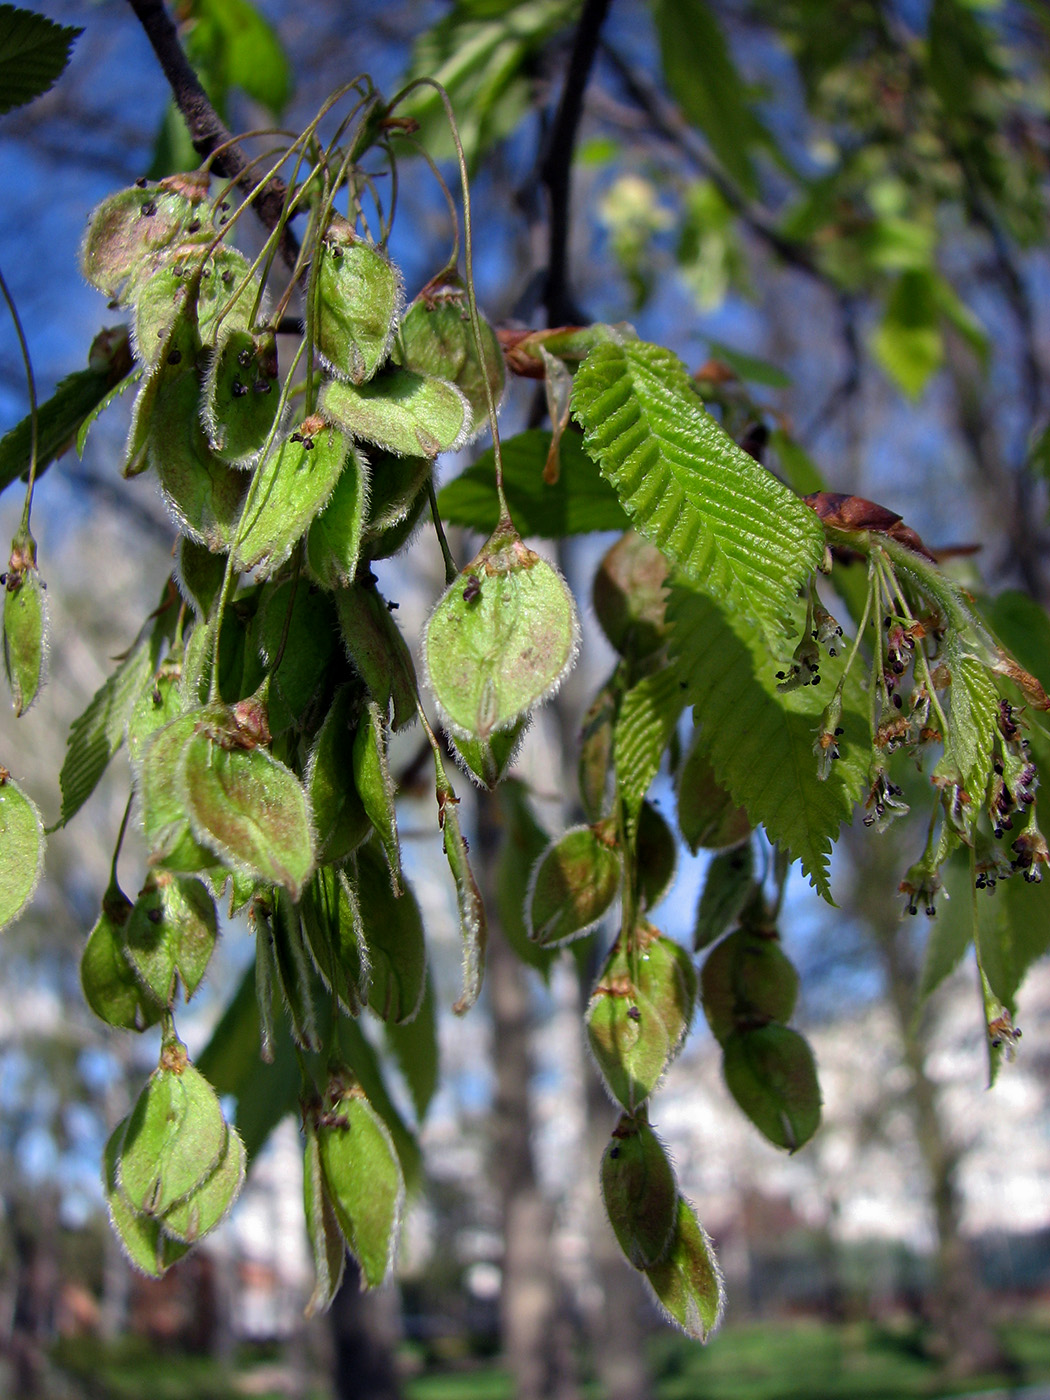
[(207, 130), (556, 165)]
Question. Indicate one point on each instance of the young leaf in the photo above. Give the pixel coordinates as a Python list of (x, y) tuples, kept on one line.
[(146, 1246), (572, 885), (212, 1201), (98, 733), (501, 639), (241, 394), (21, 849), (436, 338), (170, 930), (340, 818), (764, 752), (331, 915), (378, 652), (110, 987), (728, 886), (747, 980), (708, 818), (129, 227), (292, 485), (708, 505), (327, 1245), (362, 1176), (25, 627), (34, 52), (473, 926), (649, 714), (393, 935), (580, 501), (639, 1192), (174, 1139), (374, 783), (639, 1014), (297, 623), (249, 809), (687, 1282), (770, 1072), (409, 414), (63, 416), (630, 596), (333, 541), (656, 856), (358, 301)]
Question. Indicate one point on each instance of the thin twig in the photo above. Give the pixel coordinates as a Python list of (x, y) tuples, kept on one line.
[(207, 130)]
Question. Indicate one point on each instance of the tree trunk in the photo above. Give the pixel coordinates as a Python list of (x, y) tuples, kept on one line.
[(533, 1322), (365, 1331)]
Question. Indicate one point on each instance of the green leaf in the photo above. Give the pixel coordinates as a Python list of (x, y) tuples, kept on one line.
[(249, 809), (375, 784), (340, 819), (639, 1013), (99, 732), (146, 1246), (265, 1091), (378, 651), (707, 815), (327, 1245), (648, 717), (174, 1139), (298, 623), (630, 596), (749, 367), (241, 394), (414, 1046), (573, 884), (908, 344), (61, 417), (485, 63), (703, 78), (771, 1073), (331, 915), (358, 300), (727, 888), (211, 1202), (110, 987), (580, 501), (292, 485), (687, 1283), (1013, 931), (333, 542), (760, 740), (170, 930), (656, 857), (972, 727), (639, 1192), (363, 1178), (436, 338), (33, 53), (708, 505), (747, 980), (409, 414), (246, 48), (501, 639), (21, 849), (393, 935), (25, 628), (473, 926)]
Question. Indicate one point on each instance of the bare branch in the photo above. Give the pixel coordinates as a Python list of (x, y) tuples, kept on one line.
[(207, 130)]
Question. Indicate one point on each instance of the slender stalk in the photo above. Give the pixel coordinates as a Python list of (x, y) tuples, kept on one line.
[(31, 388)]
